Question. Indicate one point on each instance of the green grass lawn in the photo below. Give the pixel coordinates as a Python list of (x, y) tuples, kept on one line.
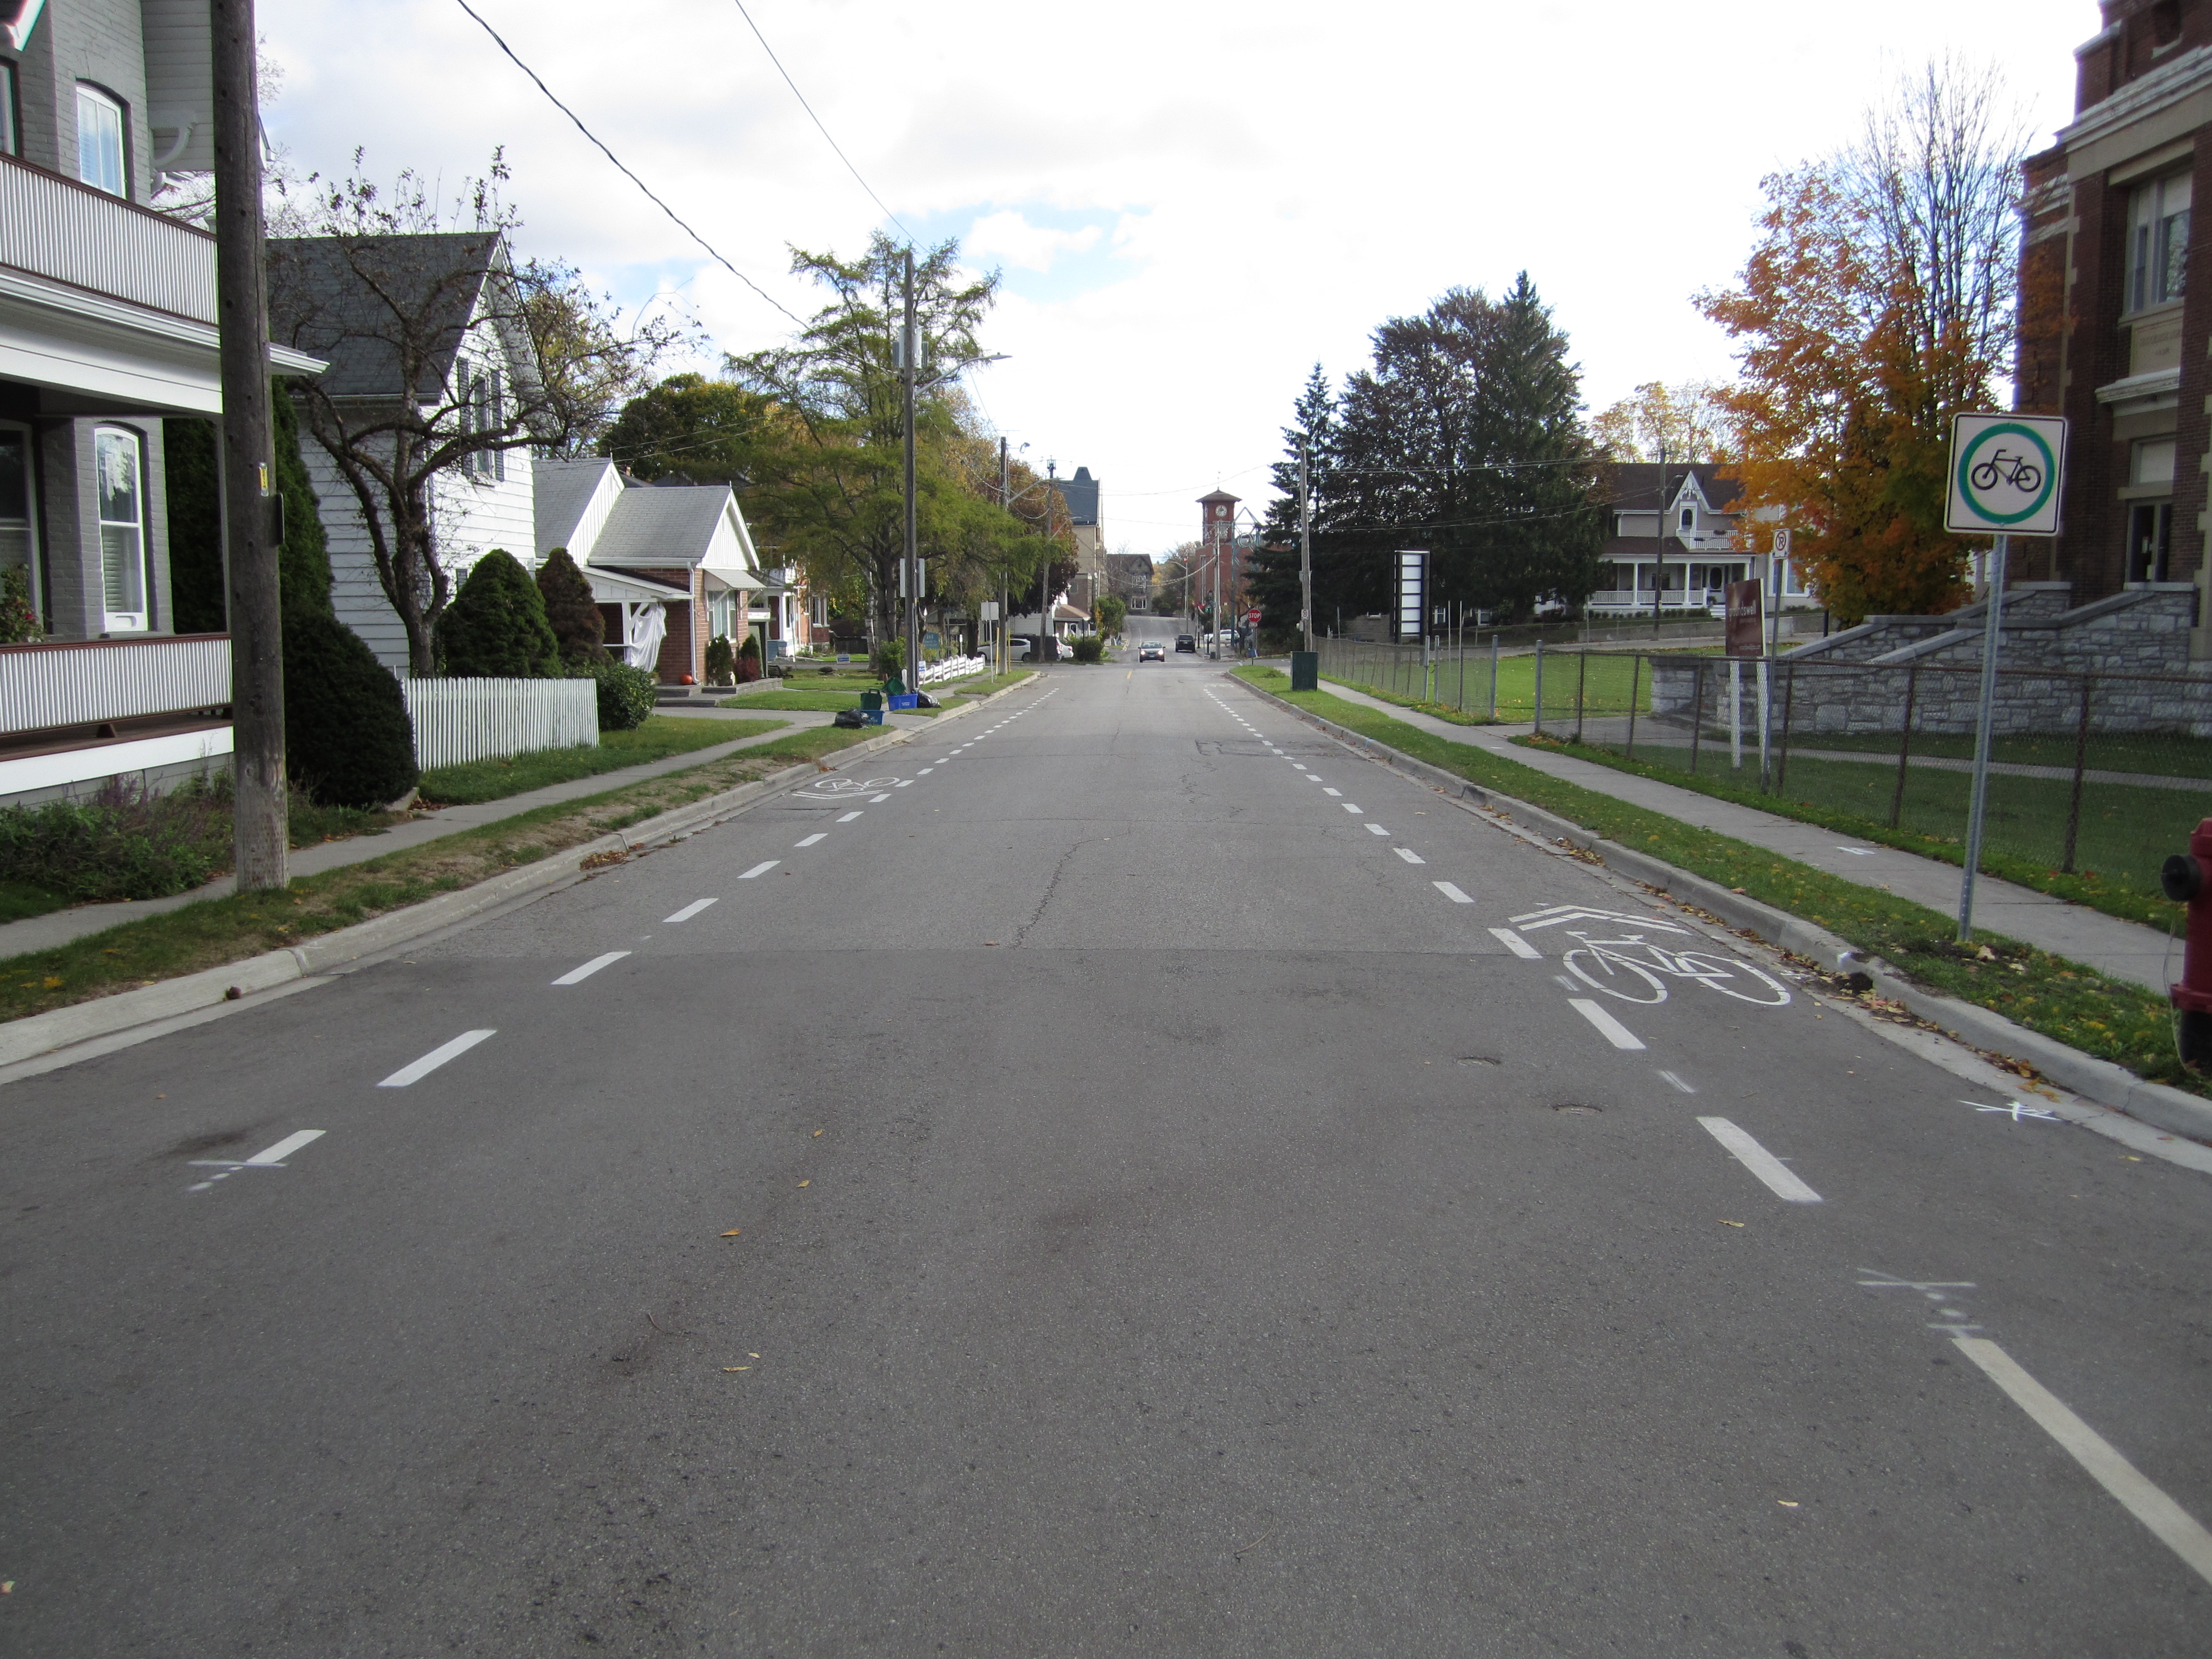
[(2156, 754), (1602, 679), (826, 699), (661, 735), (2075, 1005)]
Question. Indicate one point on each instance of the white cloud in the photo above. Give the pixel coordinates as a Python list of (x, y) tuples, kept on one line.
[(1277, 180)]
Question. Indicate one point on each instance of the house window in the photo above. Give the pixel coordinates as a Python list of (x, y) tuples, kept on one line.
[(15, 497), (1689, 520), (2157, 242), (483, 409), (2153, 462), (100, 140), (2150, 537), (121, 464), (10, 128)]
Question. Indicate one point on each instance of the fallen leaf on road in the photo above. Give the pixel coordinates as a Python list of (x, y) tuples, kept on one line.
[(1785, 1502), (733, 1233), (808, 1183), (736, 1368), (752, 1356), (1725, 1222), (817, 1135)]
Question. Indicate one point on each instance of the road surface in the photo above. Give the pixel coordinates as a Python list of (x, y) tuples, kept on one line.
[(1121, 1174)]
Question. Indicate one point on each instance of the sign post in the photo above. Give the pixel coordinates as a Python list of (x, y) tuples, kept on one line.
[(1742, 634), (2006, 473)]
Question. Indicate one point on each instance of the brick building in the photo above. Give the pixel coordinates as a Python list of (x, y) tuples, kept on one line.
[(2114, 332)]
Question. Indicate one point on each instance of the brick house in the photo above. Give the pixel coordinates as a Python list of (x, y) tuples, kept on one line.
[(2113, 333)]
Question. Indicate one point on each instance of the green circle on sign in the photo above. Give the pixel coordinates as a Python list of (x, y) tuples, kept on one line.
[(1967, 462)]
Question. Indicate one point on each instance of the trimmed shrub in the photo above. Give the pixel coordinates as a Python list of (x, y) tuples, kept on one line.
[(749, 660), (348, 741), (722, 661), (303, 563), (888, 659), (1088, 647), (570, 612), (626, 696), (496, 626), (122, 843)]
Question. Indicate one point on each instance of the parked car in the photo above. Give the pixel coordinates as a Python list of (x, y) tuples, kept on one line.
[(1184, 642), (1151, 650)]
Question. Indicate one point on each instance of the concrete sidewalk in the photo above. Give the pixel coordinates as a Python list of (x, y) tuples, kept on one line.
[(2124, 950), (60, 926)]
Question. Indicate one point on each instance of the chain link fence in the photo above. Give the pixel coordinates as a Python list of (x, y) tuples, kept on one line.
[(2096, 775)]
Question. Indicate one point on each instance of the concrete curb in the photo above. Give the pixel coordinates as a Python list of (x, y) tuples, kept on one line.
[(2099, 1080), (40, 1035)]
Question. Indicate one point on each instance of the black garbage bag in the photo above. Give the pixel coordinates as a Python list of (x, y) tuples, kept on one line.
[(923, 699), (848, 718)]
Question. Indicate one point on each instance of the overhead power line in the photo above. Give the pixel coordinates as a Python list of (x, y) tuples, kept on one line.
[(817, 119), (712, 251)]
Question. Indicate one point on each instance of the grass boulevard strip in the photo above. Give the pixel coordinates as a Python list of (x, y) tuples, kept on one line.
[(2062, 999), (218, 931)]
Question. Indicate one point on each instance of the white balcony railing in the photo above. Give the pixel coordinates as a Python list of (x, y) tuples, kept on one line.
[(55, 228), (78, 684)]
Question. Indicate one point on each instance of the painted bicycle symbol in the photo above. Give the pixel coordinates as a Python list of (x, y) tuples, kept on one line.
[(1632, 968), (2017, 470), (831, 791)]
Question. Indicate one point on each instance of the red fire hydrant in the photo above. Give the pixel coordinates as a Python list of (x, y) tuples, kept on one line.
[(2183, 877)]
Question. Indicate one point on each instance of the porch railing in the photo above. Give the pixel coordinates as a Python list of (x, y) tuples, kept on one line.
[(81, 682)]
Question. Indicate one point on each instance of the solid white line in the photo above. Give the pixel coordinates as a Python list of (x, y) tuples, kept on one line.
[(819, 834), (1452, 893), (1760, 1162), (1515, 943), (2178, 1529), (431, 1061), (760, 869), (1349, 806), (1376, 829), (690, 910), (578, 975), (284, 1148), (1406, 853), (848, 817), (1615, 1033)]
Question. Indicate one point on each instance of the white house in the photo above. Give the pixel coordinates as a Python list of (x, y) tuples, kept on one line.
[(1677, 537), (671, 563), (448, 297)]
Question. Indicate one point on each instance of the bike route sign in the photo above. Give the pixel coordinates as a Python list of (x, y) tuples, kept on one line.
[(2006, 471)]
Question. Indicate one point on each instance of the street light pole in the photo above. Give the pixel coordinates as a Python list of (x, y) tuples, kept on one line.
[(1305, 550), (909, 350)]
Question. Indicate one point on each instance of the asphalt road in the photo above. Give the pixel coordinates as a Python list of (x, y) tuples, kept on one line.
[(1168, 1219)]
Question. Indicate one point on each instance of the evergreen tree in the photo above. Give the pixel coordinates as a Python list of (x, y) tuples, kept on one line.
[(192, 477), (495, 627), (348, 741), (570, 611), (303, 564)]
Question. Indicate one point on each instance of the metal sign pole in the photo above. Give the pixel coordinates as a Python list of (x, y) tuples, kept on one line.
[(1984, 726)]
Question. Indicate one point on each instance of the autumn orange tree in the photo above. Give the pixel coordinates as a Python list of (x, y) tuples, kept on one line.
[(1878, 303)]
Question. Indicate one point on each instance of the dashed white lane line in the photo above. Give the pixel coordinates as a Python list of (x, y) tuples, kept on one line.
[(1452, 893), (578, 975), (872, 799), (760, 869), (1520, 947), (925, 771), (1352, 806), (1376, 829), (431, 1061), (1406, 853), (269, 1158), (903, 783), (1675, 1081), (1300, 765), (819, 834), (2175, 1527), (850, 816), (1614, 1032), (1330, 792), (690, 910), (1760, 1162)]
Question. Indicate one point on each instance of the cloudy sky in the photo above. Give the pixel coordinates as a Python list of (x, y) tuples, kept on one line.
[(1191, 204)]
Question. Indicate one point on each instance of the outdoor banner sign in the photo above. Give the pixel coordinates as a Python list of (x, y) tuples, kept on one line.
[(1412, 594), (1743, 619), (990, 611), (2006, 474)]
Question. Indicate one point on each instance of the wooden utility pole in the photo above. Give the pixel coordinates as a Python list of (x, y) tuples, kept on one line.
[(256, 631)]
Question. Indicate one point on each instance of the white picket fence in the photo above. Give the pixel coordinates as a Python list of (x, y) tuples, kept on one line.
[(459, 721), (953, 668)]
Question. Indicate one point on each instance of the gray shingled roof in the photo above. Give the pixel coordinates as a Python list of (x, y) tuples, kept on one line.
[(323, 299), (667, 527), (1633, 486), (561, 490)]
